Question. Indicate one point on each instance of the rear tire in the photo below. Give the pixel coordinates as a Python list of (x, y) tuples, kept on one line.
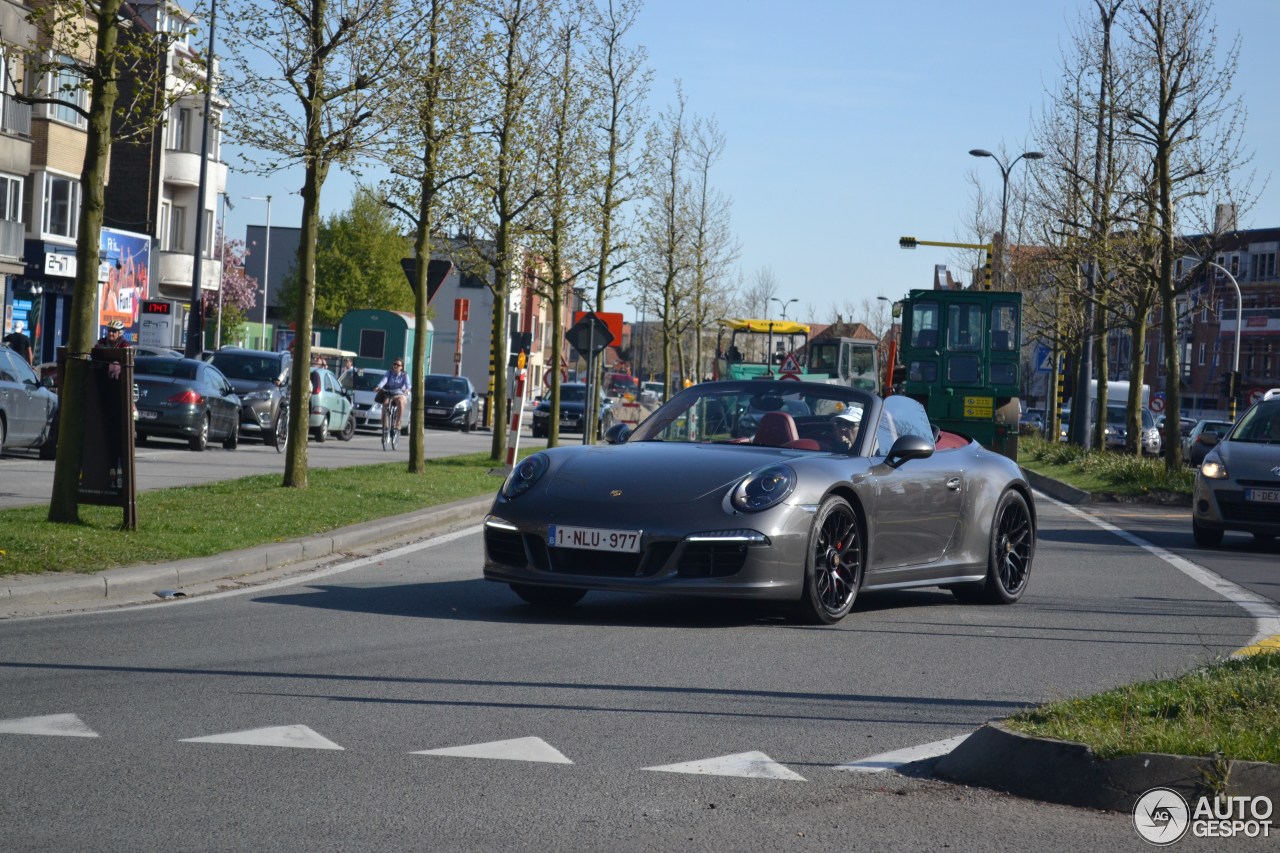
[(322, 431), (1010, 554), (548, 596)]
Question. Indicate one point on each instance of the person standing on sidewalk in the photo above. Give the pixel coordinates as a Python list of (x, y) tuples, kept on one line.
[(19, 342)]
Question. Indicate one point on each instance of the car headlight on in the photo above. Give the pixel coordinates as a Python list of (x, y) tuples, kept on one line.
[(461, 405), (763, 489), (1212, 469), (527, 472)]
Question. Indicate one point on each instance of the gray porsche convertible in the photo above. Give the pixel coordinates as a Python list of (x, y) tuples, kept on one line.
[(773, 490)]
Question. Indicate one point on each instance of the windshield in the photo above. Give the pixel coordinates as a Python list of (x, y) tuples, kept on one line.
[(245, 366), (1260, 424), (791, 415), (573, 393), (444, 384)]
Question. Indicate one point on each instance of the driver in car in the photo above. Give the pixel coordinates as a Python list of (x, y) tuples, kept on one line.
[(846, 428)]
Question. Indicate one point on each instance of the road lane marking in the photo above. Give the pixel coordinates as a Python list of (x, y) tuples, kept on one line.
[(897, 758), (58, 725), (752, 765), (516, 749), (297, 737), (1265, 612)]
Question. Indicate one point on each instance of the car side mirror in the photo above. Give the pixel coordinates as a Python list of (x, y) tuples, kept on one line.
[(908, 447), (617, 434)]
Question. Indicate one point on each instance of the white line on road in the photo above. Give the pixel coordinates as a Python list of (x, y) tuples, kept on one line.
[(897, 758)]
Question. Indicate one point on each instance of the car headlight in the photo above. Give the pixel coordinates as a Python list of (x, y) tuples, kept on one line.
[(461, 405), (1212, 469), (257, 395), (527, 472), (763, 489)]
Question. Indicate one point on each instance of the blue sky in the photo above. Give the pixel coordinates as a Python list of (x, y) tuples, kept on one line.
[(848, 125)]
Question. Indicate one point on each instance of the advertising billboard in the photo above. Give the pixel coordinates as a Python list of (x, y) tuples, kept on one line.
[(123, 272)]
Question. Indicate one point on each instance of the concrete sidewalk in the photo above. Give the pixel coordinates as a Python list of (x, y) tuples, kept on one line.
[(55, 592)]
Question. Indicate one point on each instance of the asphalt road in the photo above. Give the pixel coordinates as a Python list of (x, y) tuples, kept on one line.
[(312, 715)]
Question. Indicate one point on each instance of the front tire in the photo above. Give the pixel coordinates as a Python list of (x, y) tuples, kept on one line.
[(548, 596), (1012, 549), (1206, 537), (232, 441), (201, 439), (833, 569)]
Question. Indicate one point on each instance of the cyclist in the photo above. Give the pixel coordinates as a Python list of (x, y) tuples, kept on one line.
[(394, 386)]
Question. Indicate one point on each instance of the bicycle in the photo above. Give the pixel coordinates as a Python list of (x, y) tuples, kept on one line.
[(391, 424)]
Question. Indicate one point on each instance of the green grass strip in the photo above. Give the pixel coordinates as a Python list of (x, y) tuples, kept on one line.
[(211, 518), (1102, 470), (1229, 709)]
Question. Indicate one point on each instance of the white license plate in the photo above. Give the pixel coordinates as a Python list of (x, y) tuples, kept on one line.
[(593, 539), (437, 411), (147, 414), (1266, 496)]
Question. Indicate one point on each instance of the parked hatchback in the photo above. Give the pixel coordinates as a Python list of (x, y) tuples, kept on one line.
[(450, 401), (28, 410), (1238, 484), (261, 380)]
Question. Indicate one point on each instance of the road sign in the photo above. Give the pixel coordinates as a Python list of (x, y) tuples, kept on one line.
[(1156, 404), (612, 319), (1043, 359), (589, 335)]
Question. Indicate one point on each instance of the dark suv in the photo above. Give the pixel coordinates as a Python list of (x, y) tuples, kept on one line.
[(261, 379)]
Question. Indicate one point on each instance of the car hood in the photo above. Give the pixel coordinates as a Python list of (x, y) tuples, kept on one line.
[(1249, 460), (653, 472), (436, 398)]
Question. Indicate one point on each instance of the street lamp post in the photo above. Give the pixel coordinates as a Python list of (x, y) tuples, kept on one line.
[(783, 304), (1004, 198), (266, 266)]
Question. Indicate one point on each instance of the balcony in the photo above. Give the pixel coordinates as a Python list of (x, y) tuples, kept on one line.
[(181, 167), (175, 269), (15, 117)]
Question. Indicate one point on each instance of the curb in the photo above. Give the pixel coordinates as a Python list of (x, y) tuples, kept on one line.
[(1068, 773), (144, 580)]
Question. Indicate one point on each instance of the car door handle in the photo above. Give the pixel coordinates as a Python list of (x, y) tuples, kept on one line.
[(953, 484)]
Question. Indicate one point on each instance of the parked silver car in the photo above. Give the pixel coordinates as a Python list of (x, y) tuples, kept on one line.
[(1238, 484), (28, 410)]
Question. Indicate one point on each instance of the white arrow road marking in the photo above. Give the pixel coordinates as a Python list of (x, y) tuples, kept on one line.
[(299, 737), (893, 760), (517, 749), (62, 725), (753, 765)]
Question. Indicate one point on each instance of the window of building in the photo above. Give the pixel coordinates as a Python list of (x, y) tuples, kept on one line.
[(177, 229), (180, 129), (11, 198), (1235, 265), (61, 206), (68, 87), (208, 233), (162, 231), (1200, 359), (1262, 266)]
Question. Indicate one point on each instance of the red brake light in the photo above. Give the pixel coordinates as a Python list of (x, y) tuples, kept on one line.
[(187, 396)]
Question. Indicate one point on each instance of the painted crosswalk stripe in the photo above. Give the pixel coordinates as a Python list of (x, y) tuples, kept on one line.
[(298, 737), (752, 765), (57, 725), (516, 749), (897, 758)]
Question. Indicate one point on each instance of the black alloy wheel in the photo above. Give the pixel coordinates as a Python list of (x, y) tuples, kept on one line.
[(1013, 547), (833, 572)]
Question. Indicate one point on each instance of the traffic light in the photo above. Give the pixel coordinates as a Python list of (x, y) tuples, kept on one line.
[(907, 242), (1230, 382)]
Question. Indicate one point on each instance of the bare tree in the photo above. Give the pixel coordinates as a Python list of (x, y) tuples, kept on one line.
[(713, 247), (429, 152), (322, 107), (82, 52)]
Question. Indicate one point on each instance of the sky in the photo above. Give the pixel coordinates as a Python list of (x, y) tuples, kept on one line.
[(848, 125)]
